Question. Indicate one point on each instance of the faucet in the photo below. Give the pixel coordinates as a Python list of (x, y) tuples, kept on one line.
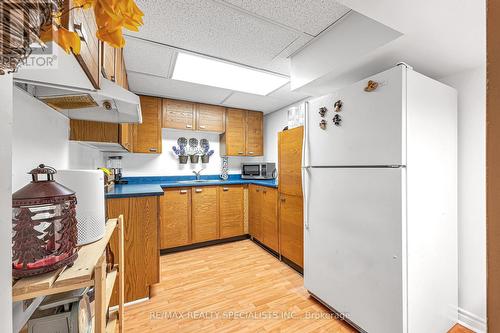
[(198, 173)]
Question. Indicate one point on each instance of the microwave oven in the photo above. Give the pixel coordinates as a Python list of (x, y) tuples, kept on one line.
[(258, 170)]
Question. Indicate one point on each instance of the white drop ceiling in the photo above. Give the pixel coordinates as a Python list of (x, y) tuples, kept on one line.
[(260, 34)]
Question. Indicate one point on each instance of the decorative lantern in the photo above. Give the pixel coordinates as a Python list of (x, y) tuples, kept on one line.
[(44, 233)]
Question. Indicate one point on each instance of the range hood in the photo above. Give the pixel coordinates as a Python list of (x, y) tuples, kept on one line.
[(68, 90)]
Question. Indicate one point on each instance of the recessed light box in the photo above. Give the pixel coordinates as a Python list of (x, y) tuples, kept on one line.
[(211, 72)]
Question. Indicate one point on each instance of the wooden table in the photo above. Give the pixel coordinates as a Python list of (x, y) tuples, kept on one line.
[(89, 269)]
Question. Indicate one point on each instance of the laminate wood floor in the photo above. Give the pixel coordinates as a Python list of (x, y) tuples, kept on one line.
[(234, 287)]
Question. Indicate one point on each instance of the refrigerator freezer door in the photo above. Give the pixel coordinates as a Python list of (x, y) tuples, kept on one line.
[(353, 246), (372, 127)]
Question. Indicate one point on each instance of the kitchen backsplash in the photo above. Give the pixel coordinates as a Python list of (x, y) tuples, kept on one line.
[(167, 163)]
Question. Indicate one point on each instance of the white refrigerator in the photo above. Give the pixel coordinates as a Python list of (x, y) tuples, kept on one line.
[(380, 203)]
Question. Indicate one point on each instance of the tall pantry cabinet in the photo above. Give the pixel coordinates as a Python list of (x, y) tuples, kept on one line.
[(290, 195)]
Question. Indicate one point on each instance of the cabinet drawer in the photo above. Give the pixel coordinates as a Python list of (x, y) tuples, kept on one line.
[(231, 211)]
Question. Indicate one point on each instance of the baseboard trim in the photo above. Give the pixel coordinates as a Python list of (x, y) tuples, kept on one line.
[(471, 321), (203, 244)]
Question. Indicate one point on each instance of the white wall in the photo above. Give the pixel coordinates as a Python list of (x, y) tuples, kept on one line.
[(5, 203), (471, 86), (41, 135), (167, 164), (273, 123)]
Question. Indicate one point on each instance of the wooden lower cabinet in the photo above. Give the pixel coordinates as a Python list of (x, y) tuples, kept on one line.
[(263, 215), (142, 255), (175, 217), (205, 213), (232, 210), (291, 228), (254, 211), (269, 218)]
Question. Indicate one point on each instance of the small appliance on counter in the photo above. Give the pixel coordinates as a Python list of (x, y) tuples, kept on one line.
[(258, 170), (91, 209), (115, 165)]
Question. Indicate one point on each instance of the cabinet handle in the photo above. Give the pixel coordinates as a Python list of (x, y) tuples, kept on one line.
[(225, 189), (283, 199), (240, 153), (264, 191), (80, 32), (257, 190), (153, 149), (202, 126), (250, 152), (189, 126), (183, 191), (198, 190)]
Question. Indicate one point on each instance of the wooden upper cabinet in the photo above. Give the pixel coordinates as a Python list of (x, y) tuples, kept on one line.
[(254, 211), (178, 114), (93, 131), (231, 211), (254, 129), (126, 132), (175, 217), (291, 228), (210, 118), (83, 23), (147, 136), (290, 161), (109, 63), (205, 213), (233, 140), (269, 217), (244, 133)]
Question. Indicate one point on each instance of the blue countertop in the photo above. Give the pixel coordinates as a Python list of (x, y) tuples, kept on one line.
[(153, 186)]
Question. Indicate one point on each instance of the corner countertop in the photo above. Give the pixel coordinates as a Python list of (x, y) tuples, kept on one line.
[(153, 186)]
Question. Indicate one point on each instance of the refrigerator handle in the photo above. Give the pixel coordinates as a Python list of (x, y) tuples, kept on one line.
[(305, 190), (305, 140)]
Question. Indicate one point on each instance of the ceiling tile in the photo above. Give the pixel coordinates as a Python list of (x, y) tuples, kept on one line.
[(285, 94), (161, 87), (158, 57), (265, 104), (215, 29), (309, 16)]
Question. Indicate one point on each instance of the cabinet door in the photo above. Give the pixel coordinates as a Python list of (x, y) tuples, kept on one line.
[(205, 214), (147, 136), (270, 236), (178, 114), (93, 131), (291, 228), (254, 211), (83, 23), (290, 161), (234, 137), (231, 216), (254, 126), (109, 66), (142, 255), (210, 118), (126, 136), (175, 217)]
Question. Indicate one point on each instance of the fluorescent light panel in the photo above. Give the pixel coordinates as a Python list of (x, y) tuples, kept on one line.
[(211, 72)]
